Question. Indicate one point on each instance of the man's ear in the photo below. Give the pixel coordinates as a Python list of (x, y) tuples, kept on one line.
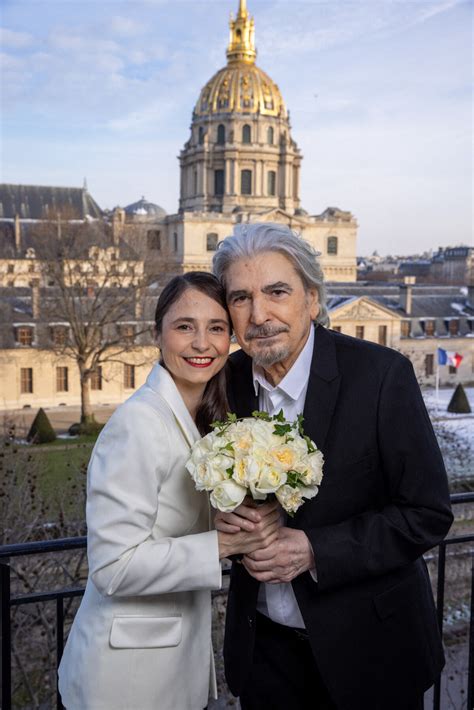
[(313, 302)]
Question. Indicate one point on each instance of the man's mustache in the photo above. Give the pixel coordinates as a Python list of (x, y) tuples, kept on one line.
[(264, 331)]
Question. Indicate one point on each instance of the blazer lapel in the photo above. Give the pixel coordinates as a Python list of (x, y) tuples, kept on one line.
[(323, 387), (242, 398), (163, 384)]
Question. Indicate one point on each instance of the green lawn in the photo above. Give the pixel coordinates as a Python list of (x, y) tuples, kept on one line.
[(61, 480)]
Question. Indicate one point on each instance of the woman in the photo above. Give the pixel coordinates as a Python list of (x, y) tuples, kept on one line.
[(141, 639)]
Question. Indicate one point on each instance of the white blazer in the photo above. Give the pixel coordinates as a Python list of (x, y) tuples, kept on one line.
[(141, 639)]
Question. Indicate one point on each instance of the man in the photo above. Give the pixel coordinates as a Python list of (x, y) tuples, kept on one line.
[(338, 612)]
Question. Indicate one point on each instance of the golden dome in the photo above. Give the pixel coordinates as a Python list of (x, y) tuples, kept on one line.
[(241, 87)]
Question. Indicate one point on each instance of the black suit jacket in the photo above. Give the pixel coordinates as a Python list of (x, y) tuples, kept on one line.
[(383, 502)]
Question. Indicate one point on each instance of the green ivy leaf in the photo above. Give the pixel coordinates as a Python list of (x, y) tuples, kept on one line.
[(310, 446), (293, 478), (282, 429), (228, 447), (261, 415)]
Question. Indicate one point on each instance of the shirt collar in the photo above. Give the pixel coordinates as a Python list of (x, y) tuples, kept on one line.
[(295, 379)]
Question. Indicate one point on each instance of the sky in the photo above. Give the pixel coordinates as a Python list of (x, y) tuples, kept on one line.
[(379, 92)]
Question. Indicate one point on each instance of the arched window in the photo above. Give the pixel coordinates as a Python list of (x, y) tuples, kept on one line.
[(201, 135), (211, 241), (220, 134), (270, 135), (332, 245), (246, 182), (246, 134), (271, 183)]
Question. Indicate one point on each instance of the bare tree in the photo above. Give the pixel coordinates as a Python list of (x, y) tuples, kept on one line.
[(89, 297)]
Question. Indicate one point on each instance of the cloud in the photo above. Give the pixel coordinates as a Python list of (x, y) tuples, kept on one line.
[(13, 39), (11, 63), (66, 42), (126, 27), (436, 9)]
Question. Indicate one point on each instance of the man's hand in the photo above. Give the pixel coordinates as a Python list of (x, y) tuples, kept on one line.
[(284, 559), (255, 528)]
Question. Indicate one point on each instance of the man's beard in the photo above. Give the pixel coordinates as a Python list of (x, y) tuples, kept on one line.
[(268, 354)]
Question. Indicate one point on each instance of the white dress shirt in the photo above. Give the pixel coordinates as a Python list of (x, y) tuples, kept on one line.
[(278, 601)]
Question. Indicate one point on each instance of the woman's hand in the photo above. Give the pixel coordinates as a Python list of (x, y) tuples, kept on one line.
[(245, 517), (248, 528)]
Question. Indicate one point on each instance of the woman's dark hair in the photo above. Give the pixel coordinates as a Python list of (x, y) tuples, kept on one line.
[(214, 401)]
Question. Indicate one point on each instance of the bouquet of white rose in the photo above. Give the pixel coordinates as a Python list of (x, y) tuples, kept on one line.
[(258, 455)]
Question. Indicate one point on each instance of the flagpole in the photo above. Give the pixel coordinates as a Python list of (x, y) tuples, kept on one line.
[(437, 387)]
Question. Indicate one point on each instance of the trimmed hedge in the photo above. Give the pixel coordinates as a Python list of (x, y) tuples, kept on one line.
[(41, 431), (459, 403)]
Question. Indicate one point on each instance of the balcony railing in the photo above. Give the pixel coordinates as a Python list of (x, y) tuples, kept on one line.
[(9, 601)]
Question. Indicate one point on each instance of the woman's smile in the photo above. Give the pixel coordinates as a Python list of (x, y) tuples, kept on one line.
[(199, 361)]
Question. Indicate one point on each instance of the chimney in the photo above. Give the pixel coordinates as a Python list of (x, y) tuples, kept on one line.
[(35, 298), (17, 233), (406, 294), (118, 221)]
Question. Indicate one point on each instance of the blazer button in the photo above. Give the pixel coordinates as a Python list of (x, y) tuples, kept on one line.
[(250, 620)]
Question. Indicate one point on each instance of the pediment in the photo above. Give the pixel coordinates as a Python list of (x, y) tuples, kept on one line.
[(362, 308), (277, 215)]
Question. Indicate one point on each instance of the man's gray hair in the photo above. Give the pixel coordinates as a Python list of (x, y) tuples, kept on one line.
[(249, 240)]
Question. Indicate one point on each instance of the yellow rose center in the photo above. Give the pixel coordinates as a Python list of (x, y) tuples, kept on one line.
[(285, 456)]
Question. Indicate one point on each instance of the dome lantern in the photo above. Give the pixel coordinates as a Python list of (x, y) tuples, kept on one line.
[(242, 37)]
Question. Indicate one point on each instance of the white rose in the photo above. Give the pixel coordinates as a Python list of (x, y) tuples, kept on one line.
[(201, 450), (309, 491), (246, 470), (283, 457), (270, 480), (263, 436), (289, 498), (227, 495), (242, 437), (211, 472), (316, 462)]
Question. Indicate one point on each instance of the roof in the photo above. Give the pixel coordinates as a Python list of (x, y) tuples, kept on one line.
[(143, 208), (40, 201), (428, 301), (39, 239)]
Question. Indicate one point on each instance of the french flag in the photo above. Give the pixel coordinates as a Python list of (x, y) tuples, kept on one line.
[(449, 357)]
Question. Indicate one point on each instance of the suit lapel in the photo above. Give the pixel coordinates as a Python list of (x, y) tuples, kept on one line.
[(163, 385), (323, 388), (242, 398)]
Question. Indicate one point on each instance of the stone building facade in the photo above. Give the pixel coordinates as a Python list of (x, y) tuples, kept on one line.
[(416, 320)]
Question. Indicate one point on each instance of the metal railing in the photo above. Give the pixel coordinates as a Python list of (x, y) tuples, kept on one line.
[(7, 602)]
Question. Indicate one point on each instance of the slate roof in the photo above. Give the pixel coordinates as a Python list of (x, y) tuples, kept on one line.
[(428, 301), (36, 201), (16, 308), (33, 236)]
